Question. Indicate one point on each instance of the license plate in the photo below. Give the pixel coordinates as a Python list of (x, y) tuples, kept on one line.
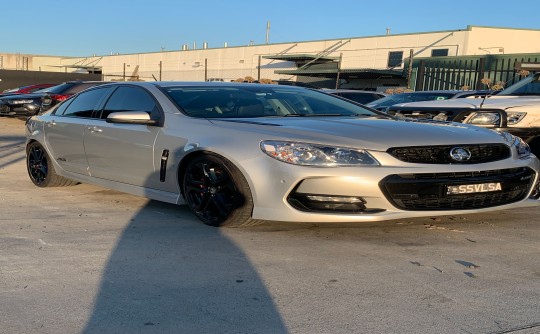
[(473, 188)]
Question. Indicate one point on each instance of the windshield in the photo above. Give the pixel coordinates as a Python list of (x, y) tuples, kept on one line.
[(14, 89), (527, 86), (409, 97), (255, 100), (56, 89)]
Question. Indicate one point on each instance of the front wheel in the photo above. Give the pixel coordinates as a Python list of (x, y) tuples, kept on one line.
[(40, 169), (217, 192), (535, 146)]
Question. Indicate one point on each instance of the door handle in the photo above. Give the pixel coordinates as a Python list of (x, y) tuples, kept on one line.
[(94, 129)]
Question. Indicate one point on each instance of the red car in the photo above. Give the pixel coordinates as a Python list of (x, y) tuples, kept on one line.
[(25, 89)]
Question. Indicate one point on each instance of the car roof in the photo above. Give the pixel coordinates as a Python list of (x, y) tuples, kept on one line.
[(166, 84)]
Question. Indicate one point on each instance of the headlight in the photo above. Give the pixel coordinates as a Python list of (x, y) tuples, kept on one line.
[(306, 154), (523, 149), (515, 117), (19, 101), (440, 117), (493, 118)]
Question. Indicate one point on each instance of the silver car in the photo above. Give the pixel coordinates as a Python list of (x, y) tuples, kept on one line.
[(238, 154)]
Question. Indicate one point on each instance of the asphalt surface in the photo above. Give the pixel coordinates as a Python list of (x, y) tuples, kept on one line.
[(84, 259)]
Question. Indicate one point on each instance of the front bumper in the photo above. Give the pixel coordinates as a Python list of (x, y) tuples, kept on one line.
[(28, 109), (373, 194)]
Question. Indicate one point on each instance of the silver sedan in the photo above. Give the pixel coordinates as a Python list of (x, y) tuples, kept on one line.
[(238, 154)]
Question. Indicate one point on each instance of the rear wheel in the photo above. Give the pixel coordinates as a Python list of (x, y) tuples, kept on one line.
[(40, 169), (217, 192)]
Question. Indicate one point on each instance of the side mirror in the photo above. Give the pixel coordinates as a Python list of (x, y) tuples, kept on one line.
[(131, 117)]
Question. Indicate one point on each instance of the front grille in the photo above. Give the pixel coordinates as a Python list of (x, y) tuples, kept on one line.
[(429, 191), (480, 153)]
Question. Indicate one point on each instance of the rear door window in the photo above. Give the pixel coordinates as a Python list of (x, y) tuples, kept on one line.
[(85, 103)]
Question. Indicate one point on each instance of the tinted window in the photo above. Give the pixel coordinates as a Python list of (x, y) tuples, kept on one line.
[(127, 98), (395, 58), (62, 108), (439, 52), (527, 86), (362, 98), (84, 104)]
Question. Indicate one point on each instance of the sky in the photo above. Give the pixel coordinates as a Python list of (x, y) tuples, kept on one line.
[(83, 28)]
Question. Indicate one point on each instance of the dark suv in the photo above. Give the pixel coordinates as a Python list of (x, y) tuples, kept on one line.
[(31, 104), (359, 96)]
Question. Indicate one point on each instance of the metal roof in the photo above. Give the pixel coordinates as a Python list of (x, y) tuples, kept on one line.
[(300, 57), (360, 72)]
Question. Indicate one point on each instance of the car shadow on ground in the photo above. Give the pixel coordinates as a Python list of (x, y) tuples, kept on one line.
[(170, 273), (10, 149)]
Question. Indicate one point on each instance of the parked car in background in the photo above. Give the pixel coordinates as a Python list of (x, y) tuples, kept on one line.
[(515, 109), (20, 104), (434, 95), (31, 104), (295, 83), (61, 92), (239, 153), (25, 89), (359, 96)]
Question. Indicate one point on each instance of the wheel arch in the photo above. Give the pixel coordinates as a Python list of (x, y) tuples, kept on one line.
[(32, 140), (192, 155)]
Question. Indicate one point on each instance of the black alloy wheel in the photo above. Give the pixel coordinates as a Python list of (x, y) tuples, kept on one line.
[(217, 192), (37, 164), (39, 168)]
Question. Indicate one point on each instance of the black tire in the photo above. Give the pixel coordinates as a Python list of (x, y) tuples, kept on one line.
[(217, 192), (40, 169), (535, 146)]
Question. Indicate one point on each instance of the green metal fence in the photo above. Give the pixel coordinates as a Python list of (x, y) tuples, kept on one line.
[(470, 72)]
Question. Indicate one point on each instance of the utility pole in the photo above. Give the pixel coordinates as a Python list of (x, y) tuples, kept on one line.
[(259, 69), (409, 76), (205, 69), (338, 70)]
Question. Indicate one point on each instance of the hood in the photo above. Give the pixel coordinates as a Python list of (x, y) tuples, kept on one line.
[(369, 133), (495, 102), (23, 96)]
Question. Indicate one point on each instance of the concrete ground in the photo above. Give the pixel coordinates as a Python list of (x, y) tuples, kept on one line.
[(84, 259)]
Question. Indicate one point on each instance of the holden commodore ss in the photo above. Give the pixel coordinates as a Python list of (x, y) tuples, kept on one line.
[(237, 154)]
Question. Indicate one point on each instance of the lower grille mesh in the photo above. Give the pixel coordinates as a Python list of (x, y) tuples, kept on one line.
[(429, 191)]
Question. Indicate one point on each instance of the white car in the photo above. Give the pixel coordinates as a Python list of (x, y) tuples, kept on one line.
[(515, 110)]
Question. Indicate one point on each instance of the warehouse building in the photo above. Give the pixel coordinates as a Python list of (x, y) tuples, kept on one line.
[(372, 62)]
